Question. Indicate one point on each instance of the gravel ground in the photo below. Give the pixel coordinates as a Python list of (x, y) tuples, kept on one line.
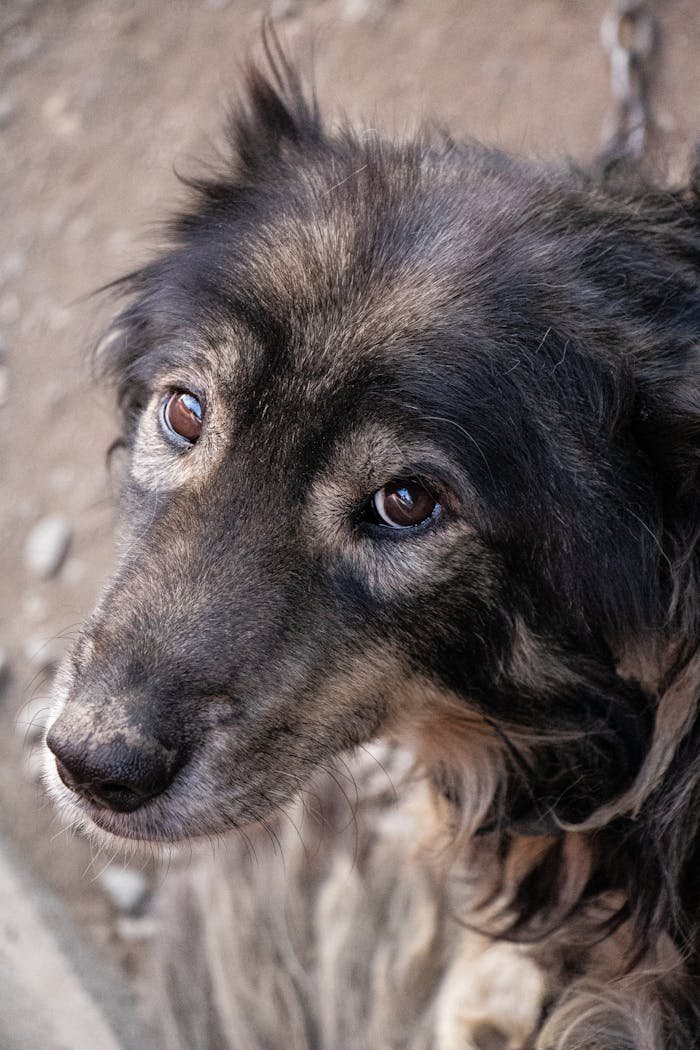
[(99, 101), (55, 992)]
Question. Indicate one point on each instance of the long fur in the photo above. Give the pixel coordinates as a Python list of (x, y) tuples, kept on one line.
[(528, 340)]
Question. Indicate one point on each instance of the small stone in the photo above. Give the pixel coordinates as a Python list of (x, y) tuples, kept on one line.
[(58, 116), (91, 89), (27, 508), (136, 930), (74, 571), (62, 479), (60, 318), (79, 227), (32, 720), (53, 105), (283, 9), (35, 608), (127, 889), (8, 111), (52, 221), (47, 545), (24, 45), (12, 265), (10, 308), (53, 393), (364, 10), (4, 385), (118, 240), (4, 669)]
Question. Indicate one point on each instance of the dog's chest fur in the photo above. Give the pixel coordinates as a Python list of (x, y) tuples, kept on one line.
[(354, 923), (340, 927)]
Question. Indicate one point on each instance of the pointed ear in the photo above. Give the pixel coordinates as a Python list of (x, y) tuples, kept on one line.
[(274, 115)]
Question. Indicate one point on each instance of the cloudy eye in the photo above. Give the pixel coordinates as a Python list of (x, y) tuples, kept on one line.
[(182, 416), (403, 504)]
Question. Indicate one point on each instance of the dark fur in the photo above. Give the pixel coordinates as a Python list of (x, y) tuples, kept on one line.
[(531, 340)]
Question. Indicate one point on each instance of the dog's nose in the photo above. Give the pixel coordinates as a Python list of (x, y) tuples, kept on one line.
[(112, 774)]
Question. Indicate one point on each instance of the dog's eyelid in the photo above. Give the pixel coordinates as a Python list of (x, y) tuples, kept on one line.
[(176, 384), (444, 489)]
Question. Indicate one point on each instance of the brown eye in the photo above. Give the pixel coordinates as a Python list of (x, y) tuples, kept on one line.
[(402, 504), (182, 416)]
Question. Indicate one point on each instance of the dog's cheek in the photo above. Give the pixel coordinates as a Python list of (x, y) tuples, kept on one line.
[(276, 744)]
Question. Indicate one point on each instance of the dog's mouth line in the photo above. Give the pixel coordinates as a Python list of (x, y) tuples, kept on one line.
[(160, 831), (127, 825), (147, 825), (151, 823)]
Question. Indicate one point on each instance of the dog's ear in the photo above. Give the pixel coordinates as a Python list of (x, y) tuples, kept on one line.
[(274, 115)]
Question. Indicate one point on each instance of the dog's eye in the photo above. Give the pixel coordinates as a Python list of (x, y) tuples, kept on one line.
[(403, 504), (182, 416)]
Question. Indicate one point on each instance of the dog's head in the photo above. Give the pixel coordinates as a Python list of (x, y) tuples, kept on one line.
[(406, 426)]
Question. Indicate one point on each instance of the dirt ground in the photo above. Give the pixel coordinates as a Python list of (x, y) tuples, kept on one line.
[(100, 100)]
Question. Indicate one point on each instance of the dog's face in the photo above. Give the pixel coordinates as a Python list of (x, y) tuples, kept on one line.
[(384, 473)]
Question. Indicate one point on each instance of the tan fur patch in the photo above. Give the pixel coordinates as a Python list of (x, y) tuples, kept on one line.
[(448, 735), (158, 466), (368, 460)]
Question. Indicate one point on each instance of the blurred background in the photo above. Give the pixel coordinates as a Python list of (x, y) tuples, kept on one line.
[(100, 102)]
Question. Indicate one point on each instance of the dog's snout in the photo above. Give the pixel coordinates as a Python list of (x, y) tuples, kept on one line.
[(113, 774)]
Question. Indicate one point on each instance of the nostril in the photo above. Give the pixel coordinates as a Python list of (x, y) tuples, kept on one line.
[(120, 797), (112, 774), (112, 787), (108, 793), (65, 775)]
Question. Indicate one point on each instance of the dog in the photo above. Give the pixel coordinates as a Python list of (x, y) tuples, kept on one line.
[(412, 440)]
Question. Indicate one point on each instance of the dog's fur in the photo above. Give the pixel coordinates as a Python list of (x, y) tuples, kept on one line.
[(527, 342)]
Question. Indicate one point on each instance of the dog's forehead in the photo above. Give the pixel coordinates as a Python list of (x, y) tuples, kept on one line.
[(327, 278), (338, 288)]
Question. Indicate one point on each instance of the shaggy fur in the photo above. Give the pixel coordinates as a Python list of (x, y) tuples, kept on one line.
[(342, 929), (524, 343)]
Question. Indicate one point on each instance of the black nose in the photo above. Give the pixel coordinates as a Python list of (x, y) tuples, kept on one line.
[(112, 773)]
